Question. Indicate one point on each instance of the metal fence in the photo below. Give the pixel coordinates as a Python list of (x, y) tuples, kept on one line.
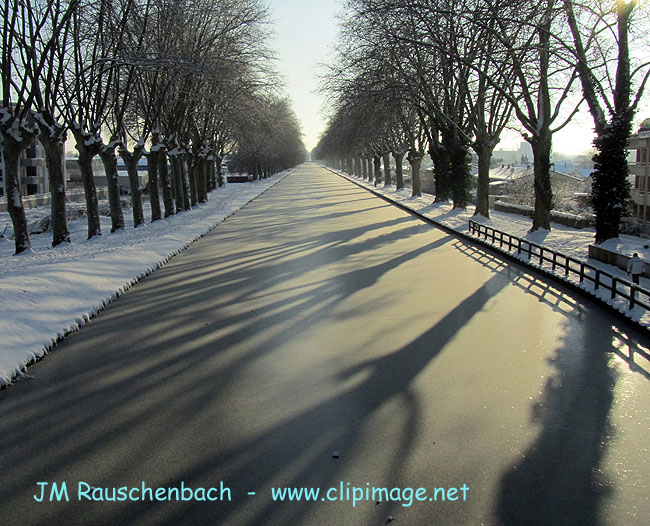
[(559, 263)]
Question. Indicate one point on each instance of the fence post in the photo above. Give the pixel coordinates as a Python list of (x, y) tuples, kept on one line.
[(477, 229)]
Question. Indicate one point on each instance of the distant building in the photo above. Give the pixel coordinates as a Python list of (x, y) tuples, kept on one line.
[(99, 174), (74, 172), (522, 155), (33, 170), (640, 171)]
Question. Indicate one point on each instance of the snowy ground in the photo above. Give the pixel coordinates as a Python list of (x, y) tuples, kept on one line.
[(566, 240), (50, 292)]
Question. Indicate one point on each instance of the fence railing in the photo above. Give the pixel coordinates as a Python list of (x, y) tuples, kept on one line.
[(633, 294)]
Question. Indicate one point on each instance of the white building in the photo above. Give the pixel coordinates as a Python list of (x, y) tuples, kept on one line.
[(640, 170), (33, 170)]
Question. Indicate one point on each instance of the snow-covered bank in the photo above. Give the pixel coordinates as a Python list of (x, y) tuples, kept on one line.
[(566, 240), (50, 292)]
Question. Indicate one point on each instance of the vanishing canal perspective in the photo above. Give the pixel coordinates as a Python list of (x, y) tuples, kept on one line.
[(341, 344), (352, 262)]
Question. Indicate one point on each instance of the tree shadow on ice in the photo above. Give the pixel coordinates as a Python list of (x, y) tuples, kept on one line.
[(138, 375), (558, 479), (133, 407), (547, 292), (298, 450)]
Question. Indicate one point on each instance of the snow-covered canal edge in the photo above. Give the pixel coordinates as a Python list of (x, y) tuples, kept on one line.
[(50, 293), (565, 240)]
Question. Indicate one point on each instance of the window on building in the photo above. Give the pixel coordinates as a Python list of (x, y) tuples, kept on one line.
[(30, 152)]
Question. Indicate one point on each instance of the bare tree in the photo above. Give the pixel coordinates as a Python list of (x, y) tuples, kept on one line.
[(545, 79), (613, 84), (174, 74), (98, 35), (465, 67), (32, 34), (48, 92), (272, 142), (129, 61)]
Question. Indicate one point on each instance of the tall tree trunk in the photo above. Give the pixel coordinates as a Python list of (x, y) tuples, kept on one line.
[(54, 147), (154, 197), (399, 172), (442, 174), (203, 179), (376, 161), (415, 160), (183, 168), (541, 145), (192, 178), (166, 182), (386, 159), (177, 175), (85, 161), (541, 139), (460, 181), (218, 160), (172, 180), (200, 179), (108, 157), (610, 189), (611, 186), (11, 156), (210, 174), (131, 160), (208, 170), (484, 149), (358, 172)]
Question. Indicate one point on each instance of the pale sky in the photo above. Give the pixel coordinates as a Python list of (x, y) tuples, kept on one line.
[(306, 32)]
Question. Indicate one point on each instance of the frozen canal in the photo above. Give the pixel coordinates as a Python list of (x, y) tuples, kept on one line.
[(321, 338)]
